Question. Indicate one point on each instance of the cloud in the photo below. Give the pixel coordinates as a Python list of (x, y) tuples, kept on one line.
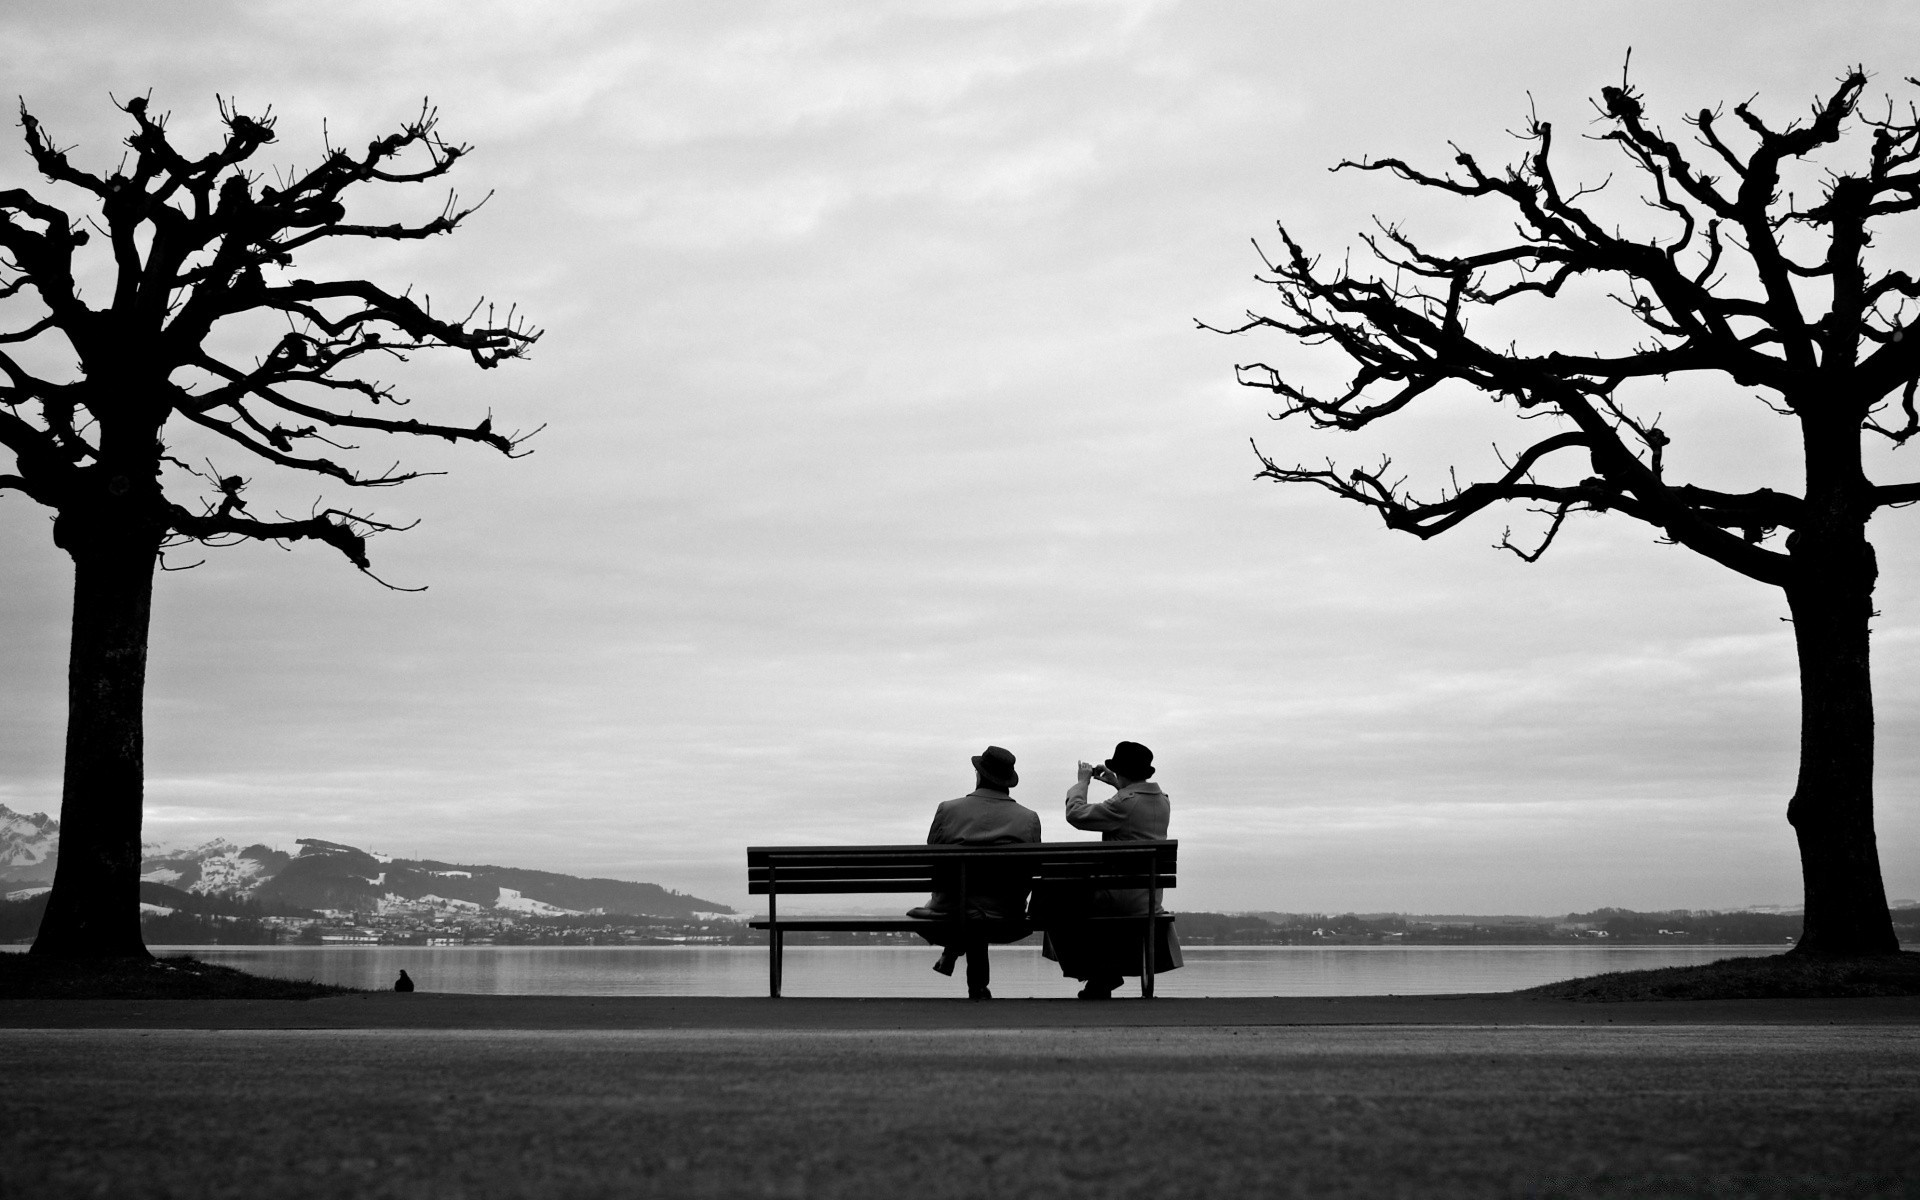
[(879, 430)]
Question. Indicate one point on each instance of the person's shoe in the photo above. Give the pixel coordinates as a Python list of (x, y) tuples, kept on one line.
[(979, 994), (924, 914), (945, 965), (1098, 989)]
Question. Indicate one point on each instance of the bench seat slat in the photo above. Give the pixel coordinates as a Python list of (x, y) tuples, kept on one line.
[(857, 855), (862, 871), (876, 924), (817, 887), (951, 847), (1061, 872), (1137, 865), (915, 924)]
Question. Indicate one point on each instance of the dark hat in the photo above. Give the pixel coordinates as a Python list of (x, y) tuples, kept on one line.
[(996, 767), (1132, 760)]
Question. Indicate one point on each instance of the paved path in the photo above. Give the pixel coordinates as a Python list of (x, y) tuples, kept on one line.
[(386, 1010), (1253, 1108)]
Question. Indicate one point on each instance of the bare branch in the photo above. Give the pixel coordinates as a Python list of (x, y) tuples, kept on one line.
[(1896, 494), (1900, 434), (1558, 513), (1404, 327), (331, 526), (267, 385), (1426, 520), (52, 161), (318, 466), (194, 238)]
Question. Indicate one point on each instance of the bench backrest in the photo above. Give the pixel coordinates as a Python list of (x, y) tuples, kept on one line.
[(795, 870)]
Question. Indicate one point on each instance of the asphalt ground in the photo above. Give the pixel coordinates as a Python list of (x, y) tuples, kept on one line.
[(934, 1099), (420, 1010)]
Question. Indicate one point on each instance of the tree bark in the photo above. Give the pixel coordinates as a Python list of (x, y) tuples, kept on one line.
[(1832, 807), (94, 909)]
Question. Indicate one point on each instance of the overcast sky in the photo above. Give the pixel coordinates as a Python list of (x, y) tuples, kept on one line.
[(878, 429)]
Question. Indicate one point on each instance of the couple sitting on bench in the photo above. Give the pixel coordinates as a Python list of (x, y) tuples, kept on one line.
[(1099, 955)]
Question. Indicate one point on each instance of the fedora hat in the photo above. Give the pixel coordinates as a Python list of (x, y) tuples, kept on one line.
[(1132, 760), (996, 767)]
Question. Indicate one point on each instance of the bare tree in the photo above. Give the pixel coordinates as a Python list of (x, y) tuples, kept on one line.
[(1729, 284), (96, 401)]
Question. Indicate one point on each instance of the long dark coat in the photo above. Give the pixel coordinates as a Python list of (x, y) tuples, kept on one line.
[(1136, 813), (984, 817)]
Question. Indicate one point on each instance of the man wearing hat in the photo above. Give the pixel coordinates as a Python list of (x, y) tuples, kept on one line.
[(1137, 811), (986, 816)]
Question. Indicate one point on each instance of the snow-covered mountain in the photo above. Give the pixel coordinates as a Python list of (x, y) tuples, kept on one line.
[(215, 868), (29, 846), (328, 875)]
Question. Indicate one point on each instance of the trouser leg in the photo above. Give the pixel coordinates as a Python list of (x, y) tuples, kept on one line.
[(977, 968)]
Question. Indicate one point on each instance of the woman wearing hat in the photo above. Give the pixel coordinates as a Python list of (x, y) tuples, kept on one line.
[(1137, 811)]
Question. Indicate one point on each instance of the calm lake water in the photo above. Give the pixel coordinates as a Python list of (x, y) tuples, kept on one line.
[(1018, 971)]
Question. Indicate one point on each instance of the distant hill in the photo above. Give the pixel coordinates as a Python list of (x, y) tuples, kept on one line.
[(1771, 925), (329, 875)]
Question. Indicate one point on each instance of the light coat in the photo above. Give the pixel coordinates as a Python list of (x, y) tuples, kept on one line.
[(1138, 812)]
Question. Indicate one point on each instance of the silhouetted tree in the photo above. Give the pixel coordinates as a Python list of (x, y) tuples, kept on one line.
[(1730, 283), (97, 400)]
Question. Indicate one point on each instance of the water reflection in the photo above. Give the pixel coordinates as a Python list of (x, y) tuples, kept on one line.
[(1018, 971)]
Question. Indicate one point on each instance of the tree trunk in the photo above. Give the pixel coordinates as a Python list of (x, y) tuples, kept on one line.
[(1832, 806), (94, 910)]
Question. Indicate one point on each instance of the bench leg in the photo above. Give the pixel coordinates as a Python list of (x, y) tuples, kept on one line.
[(776, 950), (1146, 959)]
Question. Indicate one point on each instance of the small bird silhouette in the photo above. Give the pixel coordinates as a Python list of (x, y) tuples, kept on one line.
[(403, 984)]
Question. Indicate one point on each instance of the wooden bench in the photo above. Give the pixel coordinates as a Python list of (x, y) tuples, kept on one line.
[(774, 871)]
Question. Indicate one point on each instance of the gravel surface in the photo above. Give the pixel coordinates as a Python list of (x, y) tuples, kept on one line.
[(1171, 1111)]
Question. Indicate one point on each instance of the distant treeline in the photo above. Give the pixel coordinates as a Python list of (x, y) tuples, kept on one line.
[(203, 905), (217, 920), (1614, 926), (203, 920), (189, 929), (1618, 925), (196, 920), (20, 919)]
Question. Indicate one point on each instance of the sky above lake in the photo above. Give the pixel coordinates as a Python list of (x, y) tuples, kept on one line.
[(878, 429)]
